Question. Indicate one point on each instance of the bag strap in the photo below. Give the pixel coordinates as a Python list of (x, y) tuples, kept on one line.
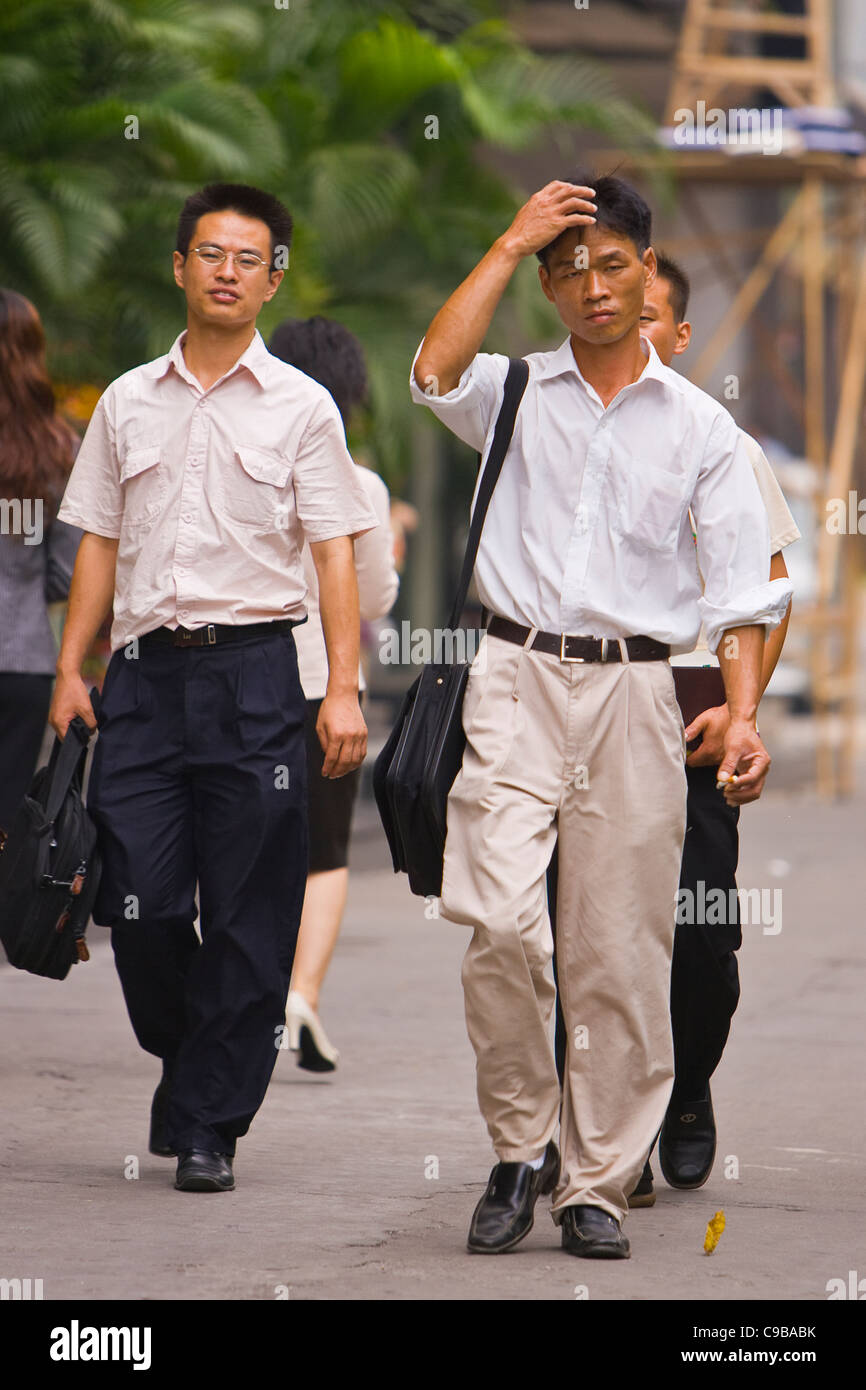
[(515, 385)]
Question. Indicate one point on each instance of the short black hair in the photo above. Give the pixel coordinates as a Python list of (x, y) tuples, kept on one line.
[(329, 353), (235, 197), (680, 288), (620, 208)]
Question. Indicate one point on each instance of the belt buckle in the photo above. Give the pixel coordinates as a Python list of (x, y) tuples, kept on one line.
[(211, 635), (603, 657), (572, 660)]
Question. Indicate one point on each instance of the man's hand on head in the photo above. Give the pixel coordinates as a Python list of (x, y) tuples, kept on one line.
[(549, 213)]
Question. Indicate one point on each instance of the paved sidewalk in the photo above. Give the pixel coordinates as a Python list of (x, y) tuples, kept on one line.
[(361, 1185)]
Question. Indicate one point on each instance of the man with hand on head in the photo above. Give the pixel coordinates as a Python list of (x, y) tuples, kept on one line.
[(200, 477), (587, 563)]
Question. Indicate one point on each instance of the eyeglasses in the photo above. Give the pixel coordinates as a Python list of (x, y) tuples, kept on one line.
[(214, 255)]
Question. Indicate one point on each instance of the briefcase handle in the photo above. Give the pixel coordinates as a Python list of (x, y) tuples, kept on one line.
[(515, 385), (66, 756)]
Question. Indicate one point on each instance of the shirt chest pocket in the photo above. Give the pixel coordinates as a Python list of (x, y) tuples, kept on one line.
[(144, 480), (253, 483), (650, 505)]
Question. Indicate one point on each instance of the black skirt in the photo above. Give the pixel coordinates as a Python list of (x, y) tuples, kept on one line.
[(330, 802)]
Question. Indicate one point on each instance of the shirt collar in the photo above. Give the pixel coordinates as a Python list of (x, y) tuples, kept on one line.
[(256, 359), (562, 361)]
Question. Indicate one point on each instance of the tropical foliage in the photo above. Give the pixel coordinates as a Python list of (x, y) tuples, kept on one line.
[(373, 120)]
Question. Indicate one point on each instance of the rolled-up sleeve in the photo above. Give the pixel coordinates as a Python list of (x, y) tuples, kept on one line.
[(733, 540), (470, 409), (93, 499), (329, 498)]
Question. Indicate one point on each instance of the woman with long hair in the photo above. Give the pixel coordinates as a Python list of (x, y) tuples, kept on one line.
[(326, 351), (37, 552)]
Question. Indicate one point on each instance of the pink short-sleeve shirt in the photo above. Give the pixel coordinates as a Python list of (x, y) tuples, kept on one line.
[(211, 494)]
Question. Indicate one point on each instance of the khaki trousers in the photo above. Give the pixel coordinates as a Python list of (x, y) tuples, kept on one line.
[(594, 753)]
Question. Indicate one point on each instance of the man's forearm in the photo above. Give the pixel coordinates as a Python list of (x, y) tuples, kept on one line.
[(776, 640), (341, 620), (740, 653), (91, 595), (458, 330)]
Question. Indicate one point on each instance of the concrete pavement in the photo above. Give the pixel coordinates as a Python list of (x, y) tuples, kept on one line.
[(361, 1185)]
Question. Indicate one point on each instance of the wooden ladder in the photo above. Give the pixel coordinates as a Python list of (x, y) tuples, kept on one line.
[(705, 67)]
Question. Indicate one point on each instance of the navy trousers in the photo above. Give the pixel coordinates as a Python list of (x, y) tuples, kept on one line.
[(199, 782)]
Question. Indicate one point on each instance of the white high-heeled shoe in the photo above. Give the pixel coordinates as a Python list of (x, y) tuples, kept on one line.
[(307, 1037)]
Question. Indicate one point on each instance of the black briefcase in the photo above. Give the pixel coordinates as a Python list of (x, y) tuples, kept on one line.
[(50, 865), (415, 770)]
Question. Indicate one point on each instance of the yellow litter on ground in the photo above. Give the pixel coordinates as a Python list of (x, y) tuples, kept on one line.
[(714, 1231)]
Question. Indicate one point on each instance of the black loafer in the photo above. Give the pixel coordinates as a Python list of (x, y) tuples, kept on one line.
[(505, 1213), (593, 1234), (644, 1194), (687, 1143), (198, 1170), (159, 1142)]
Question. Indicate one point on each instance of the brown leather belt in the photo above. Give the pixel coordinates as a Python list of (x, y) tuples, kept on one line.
[(578, 649), (214, 634)]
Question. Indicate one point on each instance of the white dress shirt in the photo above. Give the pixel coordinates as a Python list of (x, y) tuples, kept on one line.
[(588, 530), (213, 493), (783, 531), (378, 585)]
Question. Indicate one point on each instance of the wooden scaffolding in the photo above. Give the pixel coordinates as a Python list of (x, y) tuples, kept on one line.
[(821, 239)]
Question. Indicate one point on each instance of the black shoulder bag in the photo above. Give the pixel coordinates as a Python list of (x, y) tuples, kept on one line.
[(415, 770), (50, 865)]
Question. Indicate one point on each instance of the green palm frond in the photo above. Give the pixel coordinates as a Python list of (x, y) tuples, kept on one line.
[(382, 70), (357, 192), (19, 72), (34, 227)]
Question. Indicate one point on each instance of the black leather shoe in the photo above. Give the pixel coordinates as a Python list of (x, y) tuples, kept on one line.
[(506, 1211), (159, 1142), (644, 1194), (592, 1233), (201, 1171), (687, 1143)]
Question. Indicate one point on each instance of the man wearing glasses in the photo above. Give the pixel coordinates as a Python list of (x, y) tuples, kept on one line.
[(199, 478)]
